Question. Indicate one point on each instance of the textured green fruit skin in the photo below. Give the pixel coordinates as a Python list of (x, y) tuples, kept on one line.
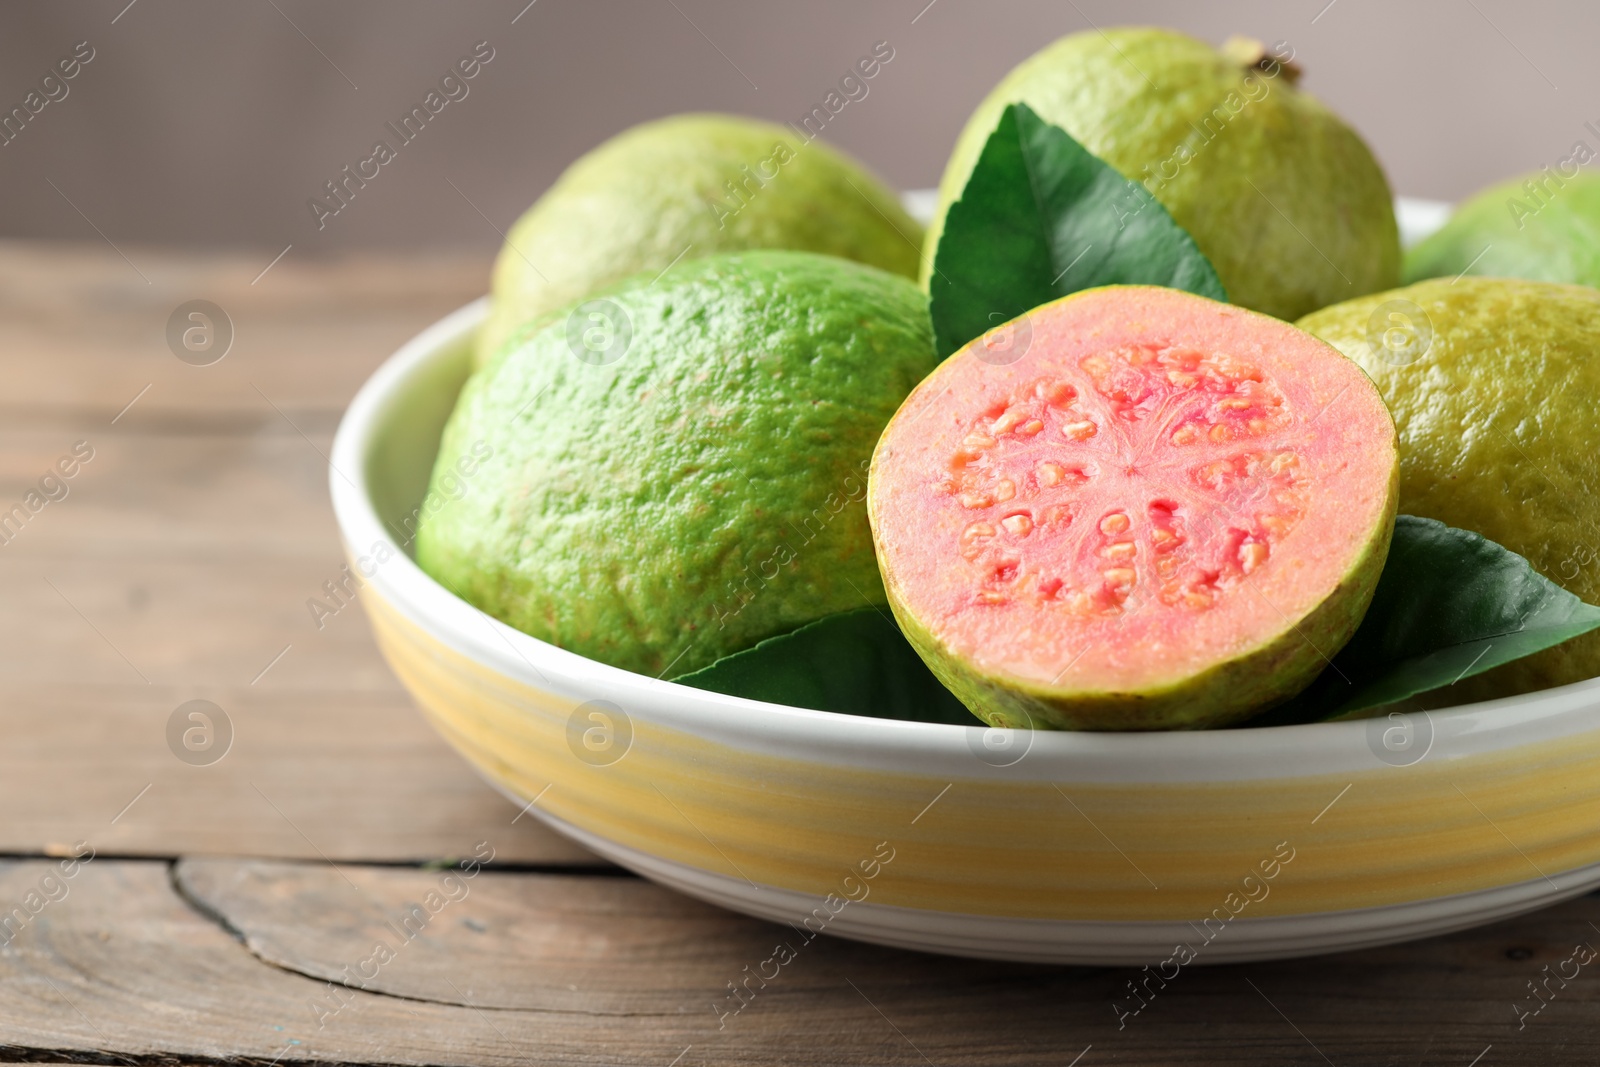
[(1498, 435), (703, 492), (1285, 200), (1226, 694), (1552, 238), (659, 191)]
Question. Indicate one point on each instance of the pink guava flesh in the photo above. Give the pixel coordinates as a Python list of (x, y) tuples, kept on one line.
[(1134, 508)]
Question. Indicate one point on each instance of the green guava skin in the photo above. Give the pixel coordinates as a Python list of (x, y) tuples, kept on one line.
[(1508, 232), (1229, 693), (659, 191), (1498, 435), (701, 493), (1286, 201)]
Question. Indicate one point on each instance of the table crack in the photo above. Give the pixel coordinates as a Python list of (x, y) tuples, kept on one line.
[(207, 911)]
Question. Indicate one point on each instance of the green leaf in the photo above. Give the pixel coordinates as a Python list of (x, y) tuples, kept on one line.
[(1042, 217), (1450, 604), (855, 662)]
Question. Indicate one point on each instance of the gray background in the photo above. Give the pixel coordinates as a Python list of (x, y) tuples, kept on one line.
[(212, 123)]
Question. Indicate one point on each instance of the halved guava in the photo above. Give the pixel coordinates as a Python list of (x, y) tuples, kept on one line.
[(1134, 509)]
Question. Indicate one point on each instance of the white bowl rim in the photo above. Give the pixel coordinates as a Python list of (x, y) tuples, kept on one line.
[(934, 749)]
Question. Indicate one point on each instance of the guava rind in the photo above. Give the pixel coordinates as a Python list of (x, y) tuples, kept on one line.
[(1549, 233), (1227, 691), (659, 191), (1497, 435), (1285, 200), (703, 492)]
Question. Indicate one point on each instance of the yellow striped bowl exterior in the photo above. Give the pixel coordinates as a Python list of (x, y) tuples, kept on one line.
[(1097, 848)]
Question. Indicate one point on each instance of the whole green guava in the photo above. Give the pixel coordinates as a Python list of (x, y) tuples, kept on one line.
[(678, 468), (1284, 199), (1542, 226), (685, 187), (1492, 384)]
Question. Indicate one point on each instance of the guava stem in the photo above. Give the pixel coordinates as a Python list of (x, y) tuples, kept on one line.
[(1252, 54)]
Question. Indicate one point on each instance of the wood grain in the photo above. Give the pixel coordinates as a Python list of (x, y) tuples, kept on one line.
[(177, 567), (180, 560), (543, 969), (81, 332)]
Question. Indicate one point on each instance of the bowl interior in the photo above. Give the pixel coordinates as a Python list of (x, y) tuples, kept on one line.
[(382, 461), (406, 433)]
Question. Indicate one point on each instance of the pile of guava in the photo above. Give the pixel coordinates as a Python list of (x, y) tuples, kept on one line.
[(1138, 435)]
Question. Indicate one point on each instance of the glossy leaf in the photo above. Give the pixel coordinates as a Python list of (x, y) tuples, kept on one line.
[(855, 662), (1451, 604), (1042, 217)]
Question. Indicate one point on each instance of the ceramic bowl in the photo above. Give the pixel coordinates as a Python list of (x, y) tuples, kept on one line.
[(1161, 848)]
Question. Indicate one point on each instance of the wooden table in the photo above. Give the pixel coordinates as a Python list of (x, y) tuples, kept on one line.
[(226, 905)]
